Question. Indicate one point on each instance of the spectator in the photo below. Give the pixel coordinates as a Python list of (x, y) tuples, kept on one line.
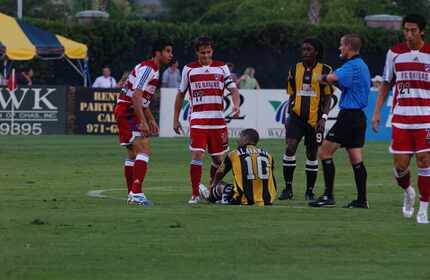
[(247, 81), (25, 77), (172, 75), (232, 73), (124, 77), (105, 81), (377, 82)]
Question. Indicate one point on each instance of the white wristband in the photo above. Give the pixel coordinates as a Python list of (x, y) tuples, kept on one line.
[(324, 116)]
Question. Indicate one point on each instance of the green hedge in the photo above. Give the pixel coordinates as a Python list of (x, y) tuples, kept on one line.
[(122, 43)]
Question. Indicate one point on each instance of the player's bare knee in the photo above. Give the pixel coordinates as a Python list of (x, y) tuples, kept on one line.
[(323, 153), (291, 147), (423, 160), (198, 155)]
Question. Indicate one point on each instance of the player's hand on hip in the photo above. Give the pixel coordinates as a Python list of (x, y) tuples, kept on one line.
[(375, 122), (144, 127), (177, 127), (153, 126)]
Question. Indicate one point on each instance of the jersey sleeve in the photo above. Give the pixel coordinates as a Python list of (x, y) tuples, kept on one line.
[(388, 74), (183, 86), (144, 75), (228, 79), (344, 75)]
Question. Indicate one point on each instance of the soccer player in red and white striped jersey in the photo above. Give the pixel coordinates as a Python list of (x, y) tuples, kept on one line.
[(205, 80), (407, 67), (135, 120)]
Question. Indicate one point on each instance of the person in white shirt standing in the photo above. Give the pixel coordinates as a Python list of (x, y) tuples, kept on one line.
[(105, 81), (172, 76)]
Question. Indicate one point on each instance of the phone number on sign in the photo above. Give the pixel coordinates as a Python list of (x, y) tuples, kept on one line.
[(20, 128), (101, 128)]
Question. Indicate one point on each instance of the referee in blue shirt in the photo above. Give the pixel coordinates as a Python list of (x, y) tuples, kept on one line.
[(349, 131)]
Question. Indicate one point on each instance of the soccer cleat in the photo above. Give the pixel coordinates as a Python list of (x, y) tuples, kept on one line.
[(286, 195), (195, 199), (323, 201), (309, 195), (204, 192), (139, 199), (357, 204), (408, 203), (422, 217)]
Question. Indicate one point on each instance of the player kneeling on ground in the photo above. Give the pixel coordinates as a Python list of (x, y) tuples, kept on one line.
[(253, 181)]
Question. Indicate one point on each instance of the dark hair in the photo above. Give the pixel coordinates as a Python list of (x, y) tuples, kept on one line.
[(414, 18), (202, 41), (159, 46), (251, 135), (353, 40), (318, 46)]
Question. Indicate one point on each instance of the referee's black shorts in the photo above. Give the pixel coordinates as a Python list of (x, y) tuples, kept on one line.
[(295, 128), (349, 129)]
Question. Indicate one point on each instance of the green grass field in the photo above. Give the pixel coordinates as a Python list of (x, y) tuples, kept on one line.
[(50, 228)]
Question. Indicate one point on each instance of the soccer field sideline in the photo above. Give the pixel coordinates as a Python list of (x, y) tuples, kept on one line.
[(45, 211)]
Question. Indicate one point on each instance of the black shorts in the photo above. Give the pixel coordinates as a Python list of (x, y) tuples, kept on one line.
[(349, 130), (295, 128)]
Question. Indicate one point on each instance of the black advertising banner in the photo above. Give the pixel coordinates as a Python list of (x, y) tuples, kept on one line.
[(94, 110), (33, 111)]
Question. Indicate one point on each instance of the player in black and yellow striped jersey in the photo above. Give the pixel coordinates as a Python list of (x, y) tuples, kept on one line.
[(309, 104), (253, 179)]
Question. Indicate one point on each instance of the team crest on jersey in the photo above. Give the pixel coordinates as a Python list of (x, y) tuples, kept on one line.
[(217, 77), (427, 67)]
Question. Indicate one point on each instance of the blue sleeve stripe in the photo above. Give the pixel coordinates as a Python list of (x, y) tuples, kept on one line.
[(144, 77)]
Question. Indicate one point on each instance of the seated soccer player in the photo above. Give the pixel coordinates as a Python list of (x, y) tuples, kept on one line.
[(253, 181)]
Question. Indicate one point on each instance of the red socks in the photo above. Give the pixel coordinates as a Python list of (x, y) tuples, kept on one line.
[(424, 183), (139, 172), (195, 175), (128, 173)]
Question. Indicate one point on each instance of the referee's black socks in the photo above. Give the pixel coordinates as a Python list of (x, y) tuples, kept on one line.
[(329, 171), (360, 175)]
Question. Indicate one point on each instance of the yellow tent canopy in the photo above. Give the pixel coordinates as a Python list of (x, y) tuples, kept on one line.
[(22, 41)]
